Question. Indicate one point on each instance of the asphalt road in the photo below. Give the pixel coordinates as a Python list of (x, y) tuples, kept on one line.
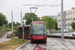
[(4, 37), (52, 44)]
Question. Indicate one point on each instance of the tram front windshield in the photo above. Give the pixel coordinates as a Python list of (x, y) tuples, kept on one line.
[(38, 28)]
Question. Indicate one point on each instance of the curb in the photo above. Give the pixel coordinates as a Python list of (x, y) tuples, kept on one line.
[(19, 48), (58, 36)]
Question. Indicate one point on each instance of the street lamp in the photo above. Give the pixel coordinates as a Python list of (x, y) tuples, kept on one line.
[(23, 31), (24, 23)]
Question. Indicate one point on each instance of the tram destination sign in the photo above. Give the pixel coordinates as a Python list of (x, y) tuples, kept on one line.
[(37, 24)]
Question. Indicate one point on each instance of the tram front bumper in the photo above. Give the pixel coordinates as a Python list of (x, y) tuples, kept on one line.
[(38, 38)]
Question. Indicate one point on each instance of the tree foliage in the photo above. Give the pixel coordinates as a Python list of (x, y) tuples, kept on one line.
[(1, 22), (44, 18), (15, 24), (28, 16), (3, 19), (9, 25), (50, 23), (18, 24), (56, 25), (73, 25)]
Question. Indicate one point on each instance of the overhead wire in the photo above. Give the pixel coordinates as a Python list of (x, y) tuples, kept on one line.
[(48, 7), (36, 6), (43, 9), (49, 2), (45, 3)]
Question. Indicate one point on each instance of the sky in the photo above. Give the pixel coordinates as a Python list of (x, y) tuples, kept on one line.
[(6, 6)]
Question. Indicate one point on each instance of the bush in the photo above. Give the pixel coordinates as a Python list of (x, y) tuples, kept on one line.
[(73, 25), (57, 31), (15, 32), (71, 30), (9, 29)]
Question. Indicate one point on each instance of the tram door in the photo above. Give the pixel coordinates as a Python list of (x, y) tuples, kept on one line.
[(26, 30)]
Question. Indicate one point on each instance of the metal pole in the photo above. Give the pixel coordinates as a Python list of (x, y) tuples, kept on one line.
[(21, 18), (12, 20), (62, 19), (31, 15), (68, 30), (23, 30)]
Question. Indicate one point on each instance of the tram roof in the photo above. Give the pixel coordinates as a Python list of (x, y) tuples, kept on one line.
[(24, 26), (38, 22)]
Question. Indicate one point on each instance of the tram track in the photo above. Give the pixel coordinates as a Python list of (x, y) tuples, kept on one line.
[(41, 46), (65, 45), (57, 44), (68, 46), (35, 47), (31, 46), (72, 43)]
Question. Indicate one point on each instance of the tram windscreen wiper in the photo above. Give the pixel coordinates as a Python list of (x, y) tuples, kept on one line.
[(34, 30)]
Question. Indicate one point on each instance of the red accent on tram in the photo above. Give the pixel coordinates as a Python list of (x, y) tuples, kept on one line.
[(38, 31)]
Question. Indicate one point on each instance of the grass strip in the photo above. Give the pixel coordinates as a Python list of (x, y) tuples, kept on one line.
[(12, 44), (2, 28)]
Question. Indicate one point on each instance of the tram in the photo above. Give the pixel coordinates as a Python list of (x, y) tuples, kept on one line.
[(38, 31), (26, 31)]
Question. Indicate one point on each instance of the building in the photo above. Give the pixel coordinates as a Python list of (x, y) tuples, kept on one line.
[(68, 18)]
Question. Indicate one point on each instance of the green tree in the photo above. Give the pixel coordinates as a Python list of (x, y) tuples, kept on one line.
[(56, 25), (73, 25), (9, 25), (1, 22), (28, 16), (13, 23), (6, 23), (18, 24), (2, 19), (44, 18), (50, 23)]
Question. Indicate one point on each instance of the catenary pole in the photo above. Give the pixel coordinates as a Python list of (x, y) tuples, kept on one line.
[(12, 20), (31, 14), (62, 36), (21, 18)]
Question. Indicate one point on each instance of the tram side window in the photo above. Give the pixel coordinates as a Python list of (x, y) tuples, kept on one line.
[(20, 31), (26, 31)]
